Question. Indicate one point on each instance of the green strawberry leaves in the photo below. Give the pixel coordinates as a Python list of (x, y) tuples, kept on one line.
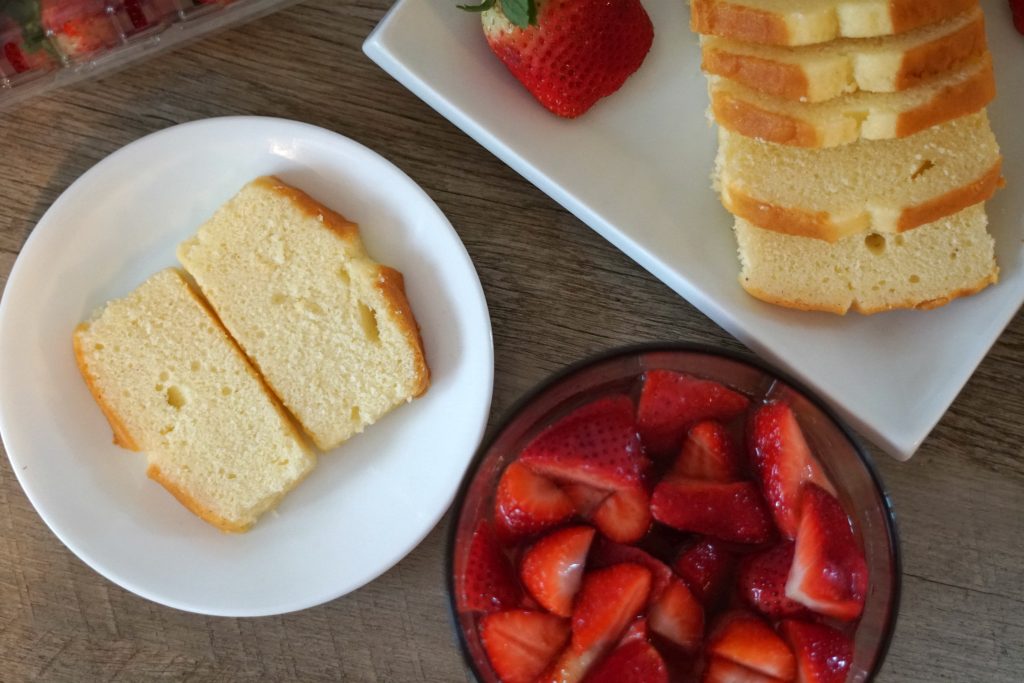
[(522, 13), (28, 14)]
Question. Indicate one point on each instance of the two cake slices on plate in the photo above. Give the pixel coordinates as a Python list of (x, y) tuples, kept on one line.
[(855, 151), (289, 320)]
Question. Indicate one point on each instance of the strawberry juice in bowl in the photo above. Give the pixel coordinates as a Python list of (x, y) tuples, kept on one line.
[(673, 513)]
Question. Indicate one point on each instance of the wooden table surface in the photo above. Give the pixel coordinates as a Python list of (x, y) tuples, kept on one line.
[(960, 501)]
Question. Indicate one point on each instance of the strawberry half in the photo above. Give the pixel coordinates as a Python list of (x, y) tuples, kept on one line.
[(568, 53), (707, 568), (670, 402), (784, 463), (829, 574), (725, 671), (596, 445), (745, 639), (708, 453), (634, 662), (585, 498), (527, 503), (608, 602), (625, 516), (520, 644), (823, 654), (488, 582), (676, 615), (552, 568), (731, 512), (606, 553), (762, 582)]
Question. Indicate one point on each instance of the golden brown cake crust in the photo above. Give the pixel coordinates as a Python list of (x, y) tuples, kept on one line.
[(943, 54), (775, 78), (949, 203), (185, 498), (960, 99), (910, 14), (748, 119), (122, 437), (391, 284), (718, 18)]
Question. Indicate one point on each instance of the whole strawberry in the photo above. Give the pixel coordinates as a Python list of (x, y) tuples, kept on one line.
[(568, 53)]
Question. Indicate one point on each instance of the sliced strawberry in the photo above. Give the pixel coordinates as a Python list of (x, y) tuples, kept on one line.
[(731, 512), (707, 568), (676, 614), (638, 630), (585, 498), (784, 463), (829, 574), (608, 602), (633, 662), (520, 644), (607, 553), (823, 654), (488, 582), (625, 516), (596, 445), (762, 582), (552, 568), (574, 52), (670, 402), (708, 453), (746, 639), (528, 503), (725, 671)]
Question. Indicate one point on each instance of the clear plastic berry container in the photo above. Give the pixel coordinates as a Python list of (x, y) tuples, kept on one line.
[(47, 44), (843, 458)]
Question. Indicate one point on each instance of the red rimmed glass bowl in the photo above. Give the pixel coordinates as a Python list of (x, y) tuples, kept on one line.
[(844, 460)]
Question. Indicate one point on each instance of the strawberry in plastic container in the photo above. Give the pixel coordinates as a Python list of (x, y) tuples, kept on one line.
[(139, 15), (23, 43), (80, 27)]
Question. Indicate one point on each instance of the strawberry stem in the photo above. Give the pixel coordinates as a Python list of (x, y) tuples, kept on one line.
[(522, 13)]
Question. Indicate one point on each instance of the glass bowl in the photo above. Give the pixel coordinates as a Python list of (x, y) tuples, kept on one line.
[(845, 461)]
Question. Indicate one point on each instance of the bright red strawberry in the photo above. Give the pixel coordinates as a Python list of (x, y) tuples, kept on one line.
[(487, 581), (606, 553), (585, 498), (676, 614), (608, 602), (520, 644), (596, 445), (784, 463), (829, 573), (1017, 8), (80, 26), (528, 503), (16, 58), (823, 654), (731, 512), (745, 639), (568, 53), (762, 582), (633, 662), (625, 516), (725, 671), (552, 568), (707, 568), (671, 402), (708, 453)]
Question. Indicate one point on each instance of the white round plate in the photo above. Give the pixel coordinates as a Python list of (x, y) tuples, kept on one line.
[(366, 505)]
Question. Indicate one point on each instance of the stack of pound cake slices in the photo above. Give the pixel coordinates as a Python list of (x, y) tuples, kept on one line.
[(855, 151)]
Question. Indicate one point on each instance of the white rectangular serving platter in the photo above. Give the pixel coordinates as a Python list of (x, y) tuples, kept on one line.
[(636, 169)]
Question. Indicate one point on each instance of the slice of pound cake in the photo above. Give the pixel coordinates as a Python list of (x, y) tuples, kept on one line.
[(173, 384), (804, 22), (871, 185), (815, 73), (331, 330), (923, 268)]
